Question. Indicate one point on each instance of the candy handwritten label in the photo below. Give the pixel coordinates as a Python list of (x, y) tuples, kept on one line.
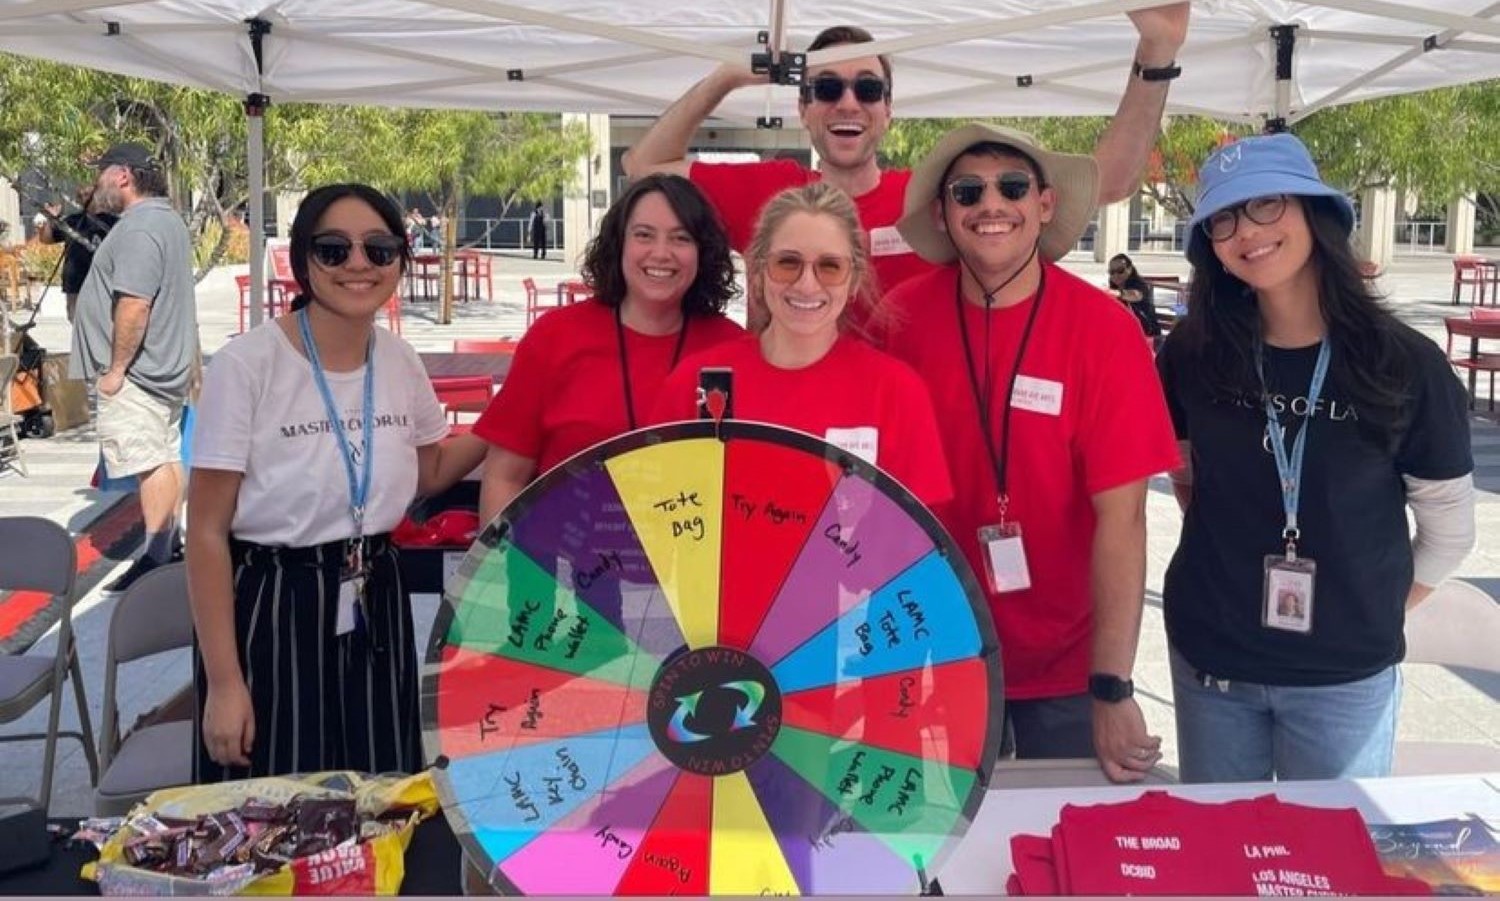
[(608, 839), (906, 691), (607, 562), (849, 548)]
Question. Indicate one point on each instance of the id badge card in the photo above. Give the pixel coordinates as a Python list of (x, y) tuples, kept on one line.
[(1004, 557), (1287, 602), (351, 589)]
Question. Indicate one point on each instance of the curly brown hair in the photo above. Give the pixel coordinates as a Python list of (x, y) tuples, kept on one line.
[(712, 288)]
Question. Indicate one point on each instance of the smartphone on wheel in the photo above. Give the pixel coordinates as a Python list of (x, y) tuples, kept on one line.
[(716, 393)]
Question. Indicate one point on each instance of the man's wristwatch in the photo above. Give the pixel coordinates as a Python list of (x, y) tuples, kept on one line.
[(1156, 73), (1110, 689)]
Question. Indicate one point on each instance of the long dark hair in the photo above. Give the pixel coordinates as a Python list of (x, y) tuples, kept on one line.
[(1369, 360), (714, 285), (1134, 281), (310, 213)]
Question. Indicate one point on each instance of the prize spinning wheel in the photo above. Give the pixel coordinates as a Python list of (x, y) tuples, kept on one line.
[(712, 660)]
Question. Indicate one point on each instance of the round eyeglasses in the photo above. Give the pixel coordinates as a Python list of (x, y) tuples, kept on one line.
[(1222, 225), (830, 271)]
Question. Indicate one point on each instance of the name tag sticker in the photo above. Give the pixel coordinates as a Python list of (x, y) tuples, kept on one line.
[(348, 596), (1037, 395), (887, 242), (861, 441), (1005, 558)]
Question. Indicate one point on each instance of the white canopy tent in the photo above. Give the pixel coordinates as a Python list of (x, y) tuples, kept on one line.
[(1251, 61)]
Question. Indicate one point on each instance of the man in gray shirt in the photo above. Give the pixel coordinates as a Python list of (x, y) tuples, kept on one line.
[(136, 334)]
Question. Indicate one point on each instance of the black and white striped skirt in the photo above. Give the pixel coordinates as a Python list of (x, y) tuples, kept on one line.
[(322, 701)]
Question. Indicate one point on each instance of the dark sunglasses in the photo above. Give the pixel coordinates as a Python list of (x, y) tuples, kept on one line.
[(967, 190), (332, 249), (1118, 270), (830, 89), (830, 271), (1222, 225)]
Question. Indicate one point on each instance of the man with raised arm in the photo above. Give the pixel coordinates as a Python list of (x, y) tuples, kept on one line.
[(846, 108)]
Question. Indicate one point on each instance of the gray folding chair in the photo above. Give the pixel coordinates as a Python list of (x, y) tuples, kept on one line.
[(152, 617), (38, 555), (1459, 625), (10, 441)]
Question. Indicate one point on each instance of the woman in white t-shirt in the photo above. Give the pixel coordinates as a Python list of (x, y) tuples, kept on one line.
[(315, 431)]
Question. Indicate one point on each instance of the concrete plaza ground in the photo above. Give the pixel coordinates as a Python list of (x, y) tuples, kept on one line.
[(1439, 704)]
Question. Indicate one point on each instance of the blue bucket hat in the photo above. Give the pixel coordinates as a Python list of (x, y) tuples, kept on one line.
[(1257, 167)]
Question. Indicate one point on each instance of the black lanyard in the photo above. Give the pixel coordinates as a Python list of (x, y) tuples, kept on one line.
[(982, 398), (625, 362)]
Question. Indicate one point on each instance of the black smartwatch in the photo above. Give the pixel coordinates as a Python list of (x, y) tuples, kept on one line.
[(1110, 689), (1156, 73)]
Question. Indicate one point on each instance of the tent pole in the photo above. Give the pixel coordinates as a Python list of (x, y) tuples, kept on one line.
[(255, 158), (1284, 37), (255, 163)]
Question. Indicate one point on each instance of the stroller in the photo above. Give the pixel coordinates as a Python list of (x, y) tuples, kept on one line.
[(26, 396), (27, 399)]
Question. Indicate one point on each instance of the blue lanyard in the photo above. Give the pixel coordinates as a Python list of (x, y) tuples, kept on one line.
[(1290, 471), (359, 491)]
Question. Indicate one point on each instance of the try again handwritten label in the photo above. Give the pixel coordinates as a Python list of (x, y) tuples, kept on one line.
[(767, 510)]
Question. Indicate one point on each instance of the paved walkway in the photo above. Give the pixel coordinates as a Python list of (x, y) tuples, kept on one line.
[(1438, 703)]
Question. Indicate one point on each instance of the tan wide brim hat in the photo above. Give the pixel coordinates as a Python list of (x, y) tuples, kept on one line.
[(1073, 178)]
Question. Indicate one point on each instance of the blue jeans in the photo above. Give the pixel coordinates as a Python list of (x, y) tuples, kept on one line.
[(1247, 732)]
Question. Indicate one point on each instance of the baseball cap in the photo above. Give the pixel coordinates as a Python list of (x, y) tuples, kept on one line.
[(135, 156), (1073, 177), (1260, 166)]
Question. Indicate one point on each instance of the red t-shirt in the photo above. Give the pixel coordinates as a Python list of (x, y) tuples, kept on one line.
[(1162, 845), (854, 389), (566, 388), (1093, 418), (739, 190)]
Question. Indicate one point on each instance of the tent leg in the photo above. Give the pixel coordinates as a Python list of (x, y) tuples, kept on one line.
[(1285, 39), (255, 155)]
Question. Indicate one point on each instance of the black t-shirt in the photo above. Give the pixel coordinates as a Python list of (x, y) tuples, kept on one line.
[(78, 257), (1352, 517), (1145, 308)]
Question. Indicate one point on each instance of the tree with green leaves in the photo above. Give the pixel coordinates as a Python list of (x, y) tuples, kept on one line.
[(54, 118), (1439, 144), (451, 155)]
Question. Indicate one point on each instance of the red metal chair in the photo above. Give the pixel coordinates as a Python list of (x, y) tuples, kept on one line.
[(278, 297), (463, 393), (1472, 359), (393, 313), (573, 292), (481, 267), (242, 282), (1473, 272), (534, 305)]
